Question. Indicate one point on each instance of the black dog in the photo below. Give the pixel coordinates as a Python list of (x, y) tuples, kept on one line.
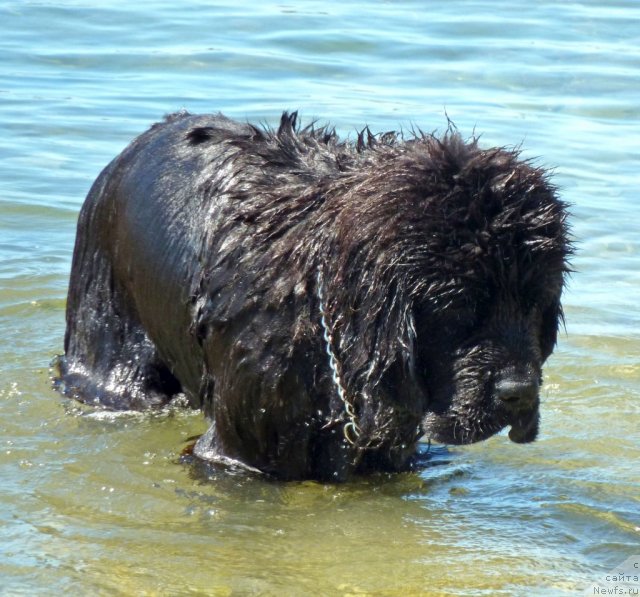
[(326, 303)]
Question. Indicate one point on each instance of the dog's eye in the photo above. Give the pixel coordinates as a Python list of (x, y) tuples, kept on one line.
[(459, 323)]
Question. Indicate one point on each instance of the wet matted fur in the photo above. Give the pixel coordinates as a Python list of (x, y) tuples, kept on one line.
[(326, 303)]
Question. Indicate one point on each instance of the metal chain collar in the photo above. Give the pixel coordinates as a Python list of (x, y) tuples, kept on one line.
[(351, 430)]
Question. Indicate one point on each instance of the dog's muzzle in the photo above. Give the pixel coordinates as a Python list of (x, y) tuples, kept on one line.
[(518, 398)]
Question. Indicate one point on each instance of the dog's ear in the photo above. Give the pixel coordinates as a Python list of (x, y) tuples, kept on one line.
[(377, 333), (552, 317)]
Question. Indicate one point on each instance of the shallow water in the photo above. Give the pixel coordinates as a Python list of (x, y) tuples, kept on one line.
[(91, 504)]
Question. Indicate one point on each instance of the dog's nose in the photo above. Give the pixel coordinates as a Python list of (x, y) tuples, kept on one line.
[(517, 393)]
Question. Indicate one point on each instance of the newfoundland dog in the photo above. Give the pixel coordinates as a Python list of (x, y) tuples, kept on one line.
[(325, 302)]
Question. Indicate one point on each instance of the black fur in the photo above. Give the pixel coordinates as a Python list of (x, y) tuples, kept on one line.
[(209, 251)]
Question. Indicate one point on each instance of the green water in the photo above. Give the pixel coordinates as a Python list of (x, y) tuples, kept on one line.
[(101, 505)]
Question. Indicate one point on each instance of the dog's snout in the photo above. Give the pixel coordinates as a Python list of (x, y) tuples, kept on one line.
[(517, 393)]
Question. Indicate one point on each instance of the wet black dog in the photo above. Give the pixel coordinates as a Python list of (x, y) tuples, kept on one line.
[(326, 303)]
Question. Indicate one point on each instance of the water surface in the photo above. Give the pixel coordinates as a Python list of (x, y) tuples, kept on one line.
[(91, 504)]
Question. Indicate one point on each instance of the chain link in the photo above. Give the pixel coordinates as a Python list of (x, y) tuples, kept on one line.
[(351, 430)]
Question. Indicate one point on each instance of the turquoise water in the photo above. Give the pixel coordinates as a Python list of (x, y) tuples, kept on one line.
[(91, 504)]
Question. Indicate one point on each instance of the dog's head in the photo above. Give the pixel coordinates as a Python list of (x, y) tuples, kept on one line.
[(462, 287), (489, 314)]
